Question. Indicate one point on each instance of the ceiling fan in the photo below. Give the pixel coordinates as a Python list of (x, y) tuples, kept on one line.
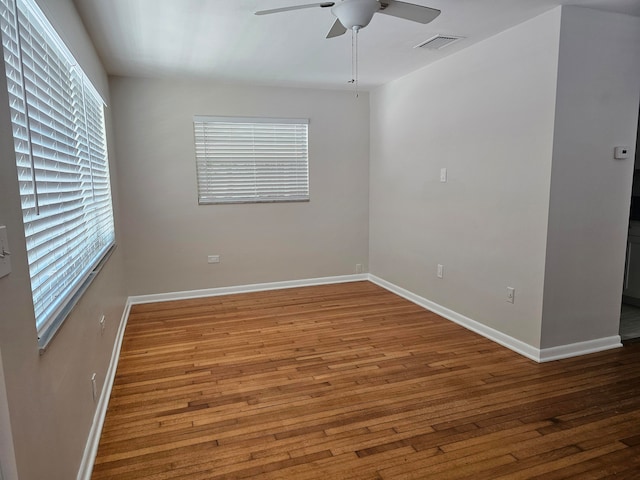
[(356, 14)]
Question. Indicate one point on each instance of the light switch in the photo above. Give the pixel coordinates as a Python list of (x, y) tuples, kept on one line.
[(5, 255)]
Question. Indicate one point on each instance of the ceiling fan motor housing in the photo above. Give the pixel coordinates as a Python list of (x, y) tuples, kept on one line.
[(355, 13)]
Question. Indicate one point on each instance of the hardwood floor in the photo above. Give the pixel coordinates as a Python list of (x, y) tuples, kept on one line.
[(350, 381)]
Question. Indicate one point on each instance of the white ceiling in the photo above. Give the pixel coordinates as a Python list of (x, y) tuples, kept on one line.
[(222, 39)]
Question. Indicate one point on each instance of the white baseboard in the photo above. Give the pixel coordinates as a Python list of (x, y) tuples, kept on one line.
[(257, 287), (91, 448), (580, 348), (529, 351), (491, 333)]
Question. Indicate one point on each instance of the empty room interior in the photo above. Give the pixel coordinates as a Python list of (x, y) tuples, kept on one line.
[(353, 239)]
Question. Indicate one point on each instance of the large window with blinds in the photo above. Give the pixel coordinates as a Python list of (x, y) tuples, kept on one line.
[(61, 156), (251, 160)]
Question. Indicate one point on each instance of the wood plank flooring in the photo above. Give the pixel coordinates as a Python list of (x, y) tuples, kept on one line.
[(350, 381)]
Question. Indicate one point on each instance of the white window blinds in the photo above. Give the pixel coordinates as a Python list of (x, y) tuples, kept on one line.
[(251, 159), (61, 155)]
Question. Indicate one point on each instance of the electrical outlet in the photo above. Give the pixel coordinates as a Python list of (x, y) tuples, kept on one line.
[(5, 254), (511, 294), (440, 272), (213, 259), (443, 175), (621, 153), (358, 268), (102, 324)]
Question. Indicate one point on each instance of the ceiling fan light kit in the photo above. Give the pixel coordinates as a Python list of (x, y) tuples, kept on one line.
[(356, 14)]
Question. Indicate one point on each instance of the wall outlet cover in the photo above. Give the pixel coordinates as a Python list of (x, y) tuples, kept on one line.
[(5, 256)]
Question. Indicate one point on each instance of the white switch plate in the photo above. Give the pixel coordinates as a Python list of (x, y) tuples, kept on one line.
[(443, 174), (213, 259), (5, 263), (440, 272)]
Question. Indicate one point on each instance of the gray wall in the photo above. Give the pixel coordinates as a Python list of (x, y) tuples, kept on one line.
[(597, 109), (49, 396), (486, 114), (8, 467), (527, 175), (534, 199), (167, 235)]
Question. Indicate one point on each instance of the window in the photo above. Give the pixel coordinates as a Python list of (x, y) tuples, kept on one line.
[(61, 156), (251, 159)]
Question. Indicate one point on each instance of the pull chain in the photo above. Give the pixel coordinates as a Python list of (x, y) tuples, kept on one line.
[(357, 29), (353, 61), (354, 58)]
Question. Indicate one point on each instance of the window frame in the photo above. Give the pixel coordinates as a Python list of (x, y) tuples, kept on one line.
[(233, 187), (60, 145)]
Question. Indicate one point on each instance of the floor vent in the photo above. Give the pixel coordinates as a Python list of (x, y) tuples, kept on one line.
[(438, 42)]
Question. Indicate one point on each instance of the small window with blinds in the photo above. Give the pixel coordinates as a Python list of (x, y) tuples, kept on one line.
[(61, 156), (251, 160)]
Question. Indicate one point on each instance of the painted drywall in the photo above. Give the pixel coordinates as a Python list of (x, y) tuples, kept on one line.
[(8, 468), (486, 114), (49, 396), (597, 109), (168, 236)]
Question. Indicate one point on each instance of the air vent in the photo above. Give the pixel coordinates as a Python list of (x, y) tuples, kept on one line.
[(438, 42)]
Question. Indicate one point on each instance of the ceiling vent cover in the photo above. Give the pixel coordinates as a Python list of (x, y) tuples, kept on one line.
[(438, 42)]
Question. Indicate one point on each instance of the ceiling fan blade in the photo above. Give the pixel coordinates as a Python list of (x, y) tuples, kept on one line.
[(295, 7), (337, 29), (408, 11)]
